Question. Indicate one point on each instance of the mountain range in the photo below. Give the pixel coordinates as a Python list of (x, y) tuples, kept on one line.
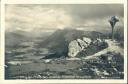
[(58, 41)]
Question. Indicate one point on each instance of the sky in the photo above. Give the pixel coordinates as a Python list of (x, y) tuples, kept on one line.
[(46, 17)]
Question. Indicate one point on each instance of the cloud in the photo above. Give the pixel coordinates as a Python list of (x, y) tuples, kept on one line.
[(51, 17), (30, 19), (91, 14)]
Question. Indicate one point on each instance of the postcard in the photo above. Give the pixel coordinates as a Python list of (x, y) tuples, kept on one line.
[(63, 41)]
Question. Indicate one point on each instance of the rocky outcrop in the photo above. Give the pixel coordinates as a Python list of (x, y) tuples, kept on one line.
[(82, 44), (107, 65), (85, 47), (74, 48), (87, 40), (78, 45)]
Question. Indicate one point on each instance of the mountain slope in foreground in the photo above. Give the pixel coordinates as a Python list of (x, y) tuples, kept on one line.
[(104, 64)]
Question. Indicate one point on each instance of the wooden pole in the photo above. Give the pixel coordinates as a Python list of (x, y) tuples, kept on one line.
[(112, 33)]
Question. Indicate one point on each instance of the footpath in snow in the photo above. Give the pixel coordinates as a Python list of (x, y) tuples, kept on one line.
[(113, 46)]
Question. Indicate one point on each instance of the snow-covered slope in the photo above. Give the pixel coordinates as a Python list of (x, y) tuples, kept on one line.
[(113, 46)]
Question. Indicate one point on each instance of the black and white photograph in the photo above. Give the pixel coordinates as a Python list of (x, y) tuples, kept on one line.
[(64, 41)]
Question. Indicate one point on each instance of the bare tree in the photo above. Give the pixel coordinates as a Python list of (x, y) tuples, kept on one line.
[(112, 22)]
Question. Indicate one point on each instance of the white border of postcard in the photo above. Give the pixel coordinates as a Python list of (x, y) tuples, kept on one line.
[(2, 42)]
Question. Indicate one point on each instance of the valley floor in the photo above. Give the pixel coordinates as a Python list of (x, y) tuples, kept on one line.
[(106, 64)]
